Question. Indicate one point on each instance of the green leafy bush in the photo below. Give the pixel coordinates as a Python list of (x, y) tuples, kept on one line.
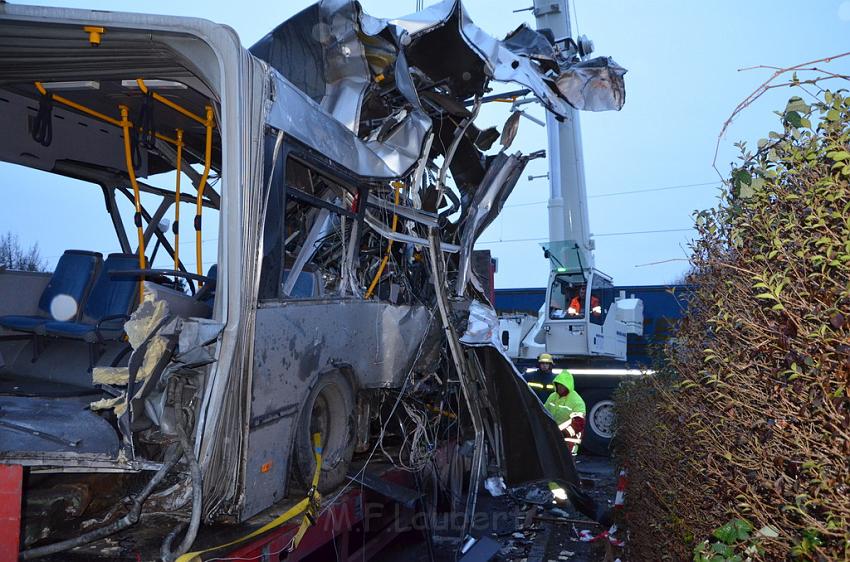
[(748, 416)]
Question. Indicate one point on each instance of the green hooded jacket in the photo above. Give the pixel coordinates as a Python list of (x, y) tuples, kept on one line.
[(561, 408)]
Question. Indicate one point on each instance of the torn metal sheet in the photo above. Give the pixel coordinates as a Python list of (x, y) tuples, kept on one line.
[(42, 425), (498, 184), (399, 237), (594, 85), (196, 335), (322, 224), (482, 326)]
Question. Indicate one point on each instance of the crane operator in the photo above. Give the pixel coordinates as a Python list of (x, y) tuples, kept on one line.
[(576, 307)]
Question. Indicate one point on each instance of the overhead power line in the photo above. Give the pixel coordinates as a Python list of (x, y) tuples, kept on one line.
[(647, 190), (642, 232), (630, 233), (629, 192)]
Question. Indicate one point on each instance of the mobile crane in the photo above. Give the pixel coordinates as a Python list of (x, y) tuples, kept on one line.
[(582, 323)]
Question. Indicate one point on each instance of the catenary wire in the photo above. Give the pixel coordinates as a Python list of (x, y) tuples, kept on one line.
[(620, 193), (631, 233)]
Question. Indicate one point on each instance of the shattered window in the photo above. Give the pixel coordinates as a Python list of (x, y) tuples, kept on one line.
[(305, 286), (273, 222), (319, 223)]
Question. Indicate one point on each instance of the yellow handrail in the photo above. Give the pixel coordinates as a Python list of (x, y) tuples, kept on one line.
[(137, 218), (201, 185), (208, 122), (176, 227), (374, 283), (165, 101)]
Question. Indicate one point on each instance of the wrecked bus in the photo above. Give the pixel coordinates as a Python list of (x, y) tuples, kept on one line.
[(349, 181)]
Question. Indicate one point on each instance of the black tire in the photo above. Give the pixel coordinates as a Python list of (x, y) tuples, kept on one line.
[(329, 409), (599, 423)]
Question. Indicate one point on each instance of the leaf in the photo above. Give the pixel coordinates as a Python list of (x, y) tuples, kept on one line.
[(727, 533), (796, 104), (838, 155), (793, 118), (833, 115), (743, 528), (723, 550)]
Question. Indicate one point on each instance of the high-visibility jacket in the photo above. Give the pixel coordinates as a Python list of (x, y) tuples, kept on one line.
[(565, 408), (562, 408), (577, 304), (541, 383)]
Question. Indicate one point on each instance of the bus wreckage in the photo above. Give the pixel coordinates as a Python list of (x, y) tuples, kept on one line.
[(350, 183)]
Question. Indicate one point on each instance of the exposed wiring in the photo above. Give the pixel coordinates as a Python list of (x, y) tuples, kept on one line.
[(401, 393), (197, 484)]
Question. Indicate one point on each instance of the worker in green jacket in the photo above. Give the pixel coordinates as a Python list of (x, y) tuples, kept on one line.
[(568, 409)]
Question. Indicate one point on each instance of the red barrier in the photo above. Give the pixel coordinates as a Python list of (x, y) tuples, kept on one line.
[(11, 476)]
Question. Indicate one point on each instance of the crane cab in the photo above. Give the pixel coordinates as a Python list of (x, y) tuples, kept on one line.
[(582, 316)]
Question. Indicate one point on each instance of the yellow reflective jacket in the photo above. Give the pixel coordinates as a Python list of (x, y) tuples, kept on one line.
[(562, 408)]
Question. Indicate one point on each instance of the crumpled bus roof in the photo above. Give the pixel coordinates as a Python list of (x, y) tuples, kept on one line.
[(390, 80)]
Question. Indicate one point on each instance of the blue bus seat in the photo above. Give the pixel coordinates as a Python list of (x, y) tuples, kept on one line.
[(73, 276), (108, 305)]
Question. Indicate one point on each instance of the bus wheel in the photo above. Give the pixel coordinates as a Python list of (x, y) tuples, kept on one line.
[(329, 410)]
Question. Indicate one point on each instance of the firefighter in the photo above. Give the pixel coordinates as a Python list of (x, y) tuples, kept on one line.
[(568, 409), (541, 380)]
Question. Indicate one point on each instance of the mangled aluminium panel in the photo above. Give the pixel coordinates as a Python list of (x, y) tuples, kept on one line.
[(332, 57), (295, 342)]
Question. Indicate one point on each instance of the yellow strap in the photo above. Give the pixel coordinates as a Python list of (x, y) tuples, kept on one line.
[(125, 126), (177, 200), (201, 185), (307, 505)]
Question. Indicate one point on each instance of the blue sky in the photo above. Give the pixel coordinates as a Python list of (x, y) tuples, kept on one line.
[(683, 82)]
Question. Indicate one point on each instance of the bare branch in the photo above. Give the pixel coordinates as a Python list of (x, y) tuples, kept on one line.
[(768, 85)]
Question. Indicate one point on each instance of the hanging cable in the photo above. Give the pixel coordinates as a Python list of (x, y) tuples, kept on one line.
[(201, 185), (42, 126), (144, 131), (92, 113), (175, 228), (137, 217)]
